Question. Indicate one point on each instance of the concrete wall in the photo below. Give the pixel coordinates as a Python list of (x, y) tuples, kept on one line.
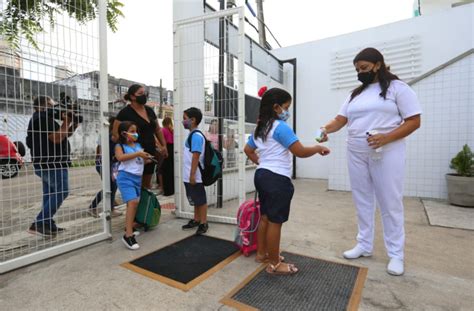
[(440, 37)]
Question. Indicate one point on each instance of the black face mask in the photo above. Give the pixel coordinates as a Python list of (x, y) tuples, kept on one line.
[(366, 77), (142, 99)]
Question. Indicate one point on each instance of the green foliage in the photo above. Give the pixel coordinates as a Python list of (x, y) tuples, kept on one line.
[(27, 17), (463, 162)]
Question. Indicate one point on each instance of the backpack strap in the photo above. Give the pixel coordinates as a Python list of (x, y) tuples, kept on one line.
[(114, 159), (205, 142), (191, 135)]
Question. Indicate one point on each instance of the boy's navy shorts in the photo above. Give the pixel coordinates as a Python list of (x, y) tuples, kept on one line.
[(196, 194), (275, 192)]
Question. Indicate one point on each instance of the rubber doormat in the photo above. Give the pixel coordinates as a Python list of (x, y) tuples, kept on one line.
[(186, 263), (318, 285)]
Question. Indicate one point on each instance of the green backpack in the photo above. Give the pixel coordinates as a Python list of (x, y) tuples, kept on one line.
[(148, 210)]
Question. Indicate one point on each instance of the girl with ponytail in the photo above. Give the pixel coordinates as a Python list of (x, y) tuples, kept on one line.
[(275, 142)]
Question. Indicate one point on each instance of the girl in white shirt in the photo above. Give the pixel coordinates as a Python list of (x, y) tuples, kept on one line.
[(379, 114), (129, 180), (275, 142)]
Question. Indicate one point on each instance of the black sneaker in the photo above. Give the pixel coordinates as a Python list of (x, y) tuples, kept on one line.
[(43, 231), (190, 225), (57, 230), (202, 229), (130, 242)]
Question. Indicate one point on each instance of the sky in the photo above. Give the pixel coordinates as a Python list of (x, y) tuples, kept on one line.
[(142, 48)]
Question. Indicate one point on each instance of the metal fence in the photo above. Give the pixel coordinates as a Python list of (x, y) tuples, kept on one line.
[(219, 70), (51, 117)]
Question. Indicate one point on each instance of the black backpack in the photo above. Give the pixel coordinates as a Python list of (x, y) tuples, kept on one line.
[(213, 161)]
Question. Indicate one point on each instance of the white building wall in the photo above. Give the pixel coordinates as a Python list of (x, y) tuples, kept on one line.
[(448, 100), (441, 37)]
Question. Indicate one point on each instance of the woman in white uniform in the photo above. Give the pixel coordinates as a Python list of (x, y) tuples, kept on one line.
[(379, 114)]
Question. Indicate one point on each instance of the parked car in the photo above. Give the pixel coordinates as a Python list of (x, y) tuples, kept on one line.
[(11, 157)]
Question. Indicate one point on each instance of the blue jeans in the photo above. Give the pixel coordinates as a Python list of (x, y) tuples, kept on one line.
[(55, 190), (113, 190)]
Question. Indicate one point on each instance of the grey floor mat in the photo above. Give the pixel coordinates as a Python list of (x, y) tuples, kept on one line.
[(318, 285)]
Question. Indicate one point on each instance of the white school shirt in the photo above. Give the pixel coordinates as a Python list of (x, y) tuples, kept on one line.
[(198, 142), (369, 111), (133, 166), (273, 152)]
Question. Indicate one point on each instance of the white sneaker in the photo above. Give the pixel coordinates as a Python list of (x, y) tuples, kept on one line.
[(356, 252), (395, 266)]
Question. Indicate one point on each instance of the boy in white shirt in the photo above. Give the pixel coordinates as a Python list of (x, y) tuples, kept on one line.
[(193, 155)]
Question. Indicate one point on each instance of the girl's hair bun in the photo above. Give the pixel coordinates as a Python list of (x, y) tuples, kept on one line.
[(262, 91)]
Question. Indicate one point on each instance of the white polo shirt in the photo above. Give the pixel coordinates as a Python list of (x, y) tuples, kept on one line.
[(273, 152), (369, 111)]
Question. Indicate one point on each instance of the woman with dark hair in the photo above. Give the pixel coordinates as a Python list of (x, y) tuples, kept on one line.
[(379, 114), (276, 143), (151, 137), (168, 163)]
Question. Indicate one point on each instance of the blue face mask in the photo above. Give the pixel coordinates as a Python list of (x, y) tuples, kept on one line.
[(285, 115)]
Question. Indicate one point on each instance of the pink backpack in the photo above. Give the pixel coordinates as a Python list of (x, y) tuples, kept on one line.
[(248, 218)]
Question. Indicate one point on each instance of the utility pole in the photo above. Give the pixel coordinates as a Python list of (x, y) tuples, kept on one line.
[(261, 24)]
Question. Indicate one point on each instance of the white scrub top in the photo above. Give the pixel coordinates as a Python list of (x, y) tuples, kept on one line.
[(369, 111)]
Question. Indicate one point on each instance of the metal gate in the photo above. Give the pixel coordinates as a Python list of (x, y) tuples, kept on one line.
[(60, 65), (219, 69)]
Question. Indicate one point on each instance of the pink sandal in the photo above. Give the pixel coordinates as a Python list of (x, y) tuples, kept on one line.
[(273, 269)]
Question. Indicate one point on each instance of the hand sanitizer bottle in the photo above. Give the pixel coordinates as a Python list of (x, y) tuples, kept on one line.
[(376, 153), (320, 134)]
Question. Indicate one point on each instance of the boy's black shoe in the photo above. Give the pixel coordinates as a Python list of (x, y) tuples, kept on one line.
[(202, 229), (57, 230), (43, 231), (190, 225)]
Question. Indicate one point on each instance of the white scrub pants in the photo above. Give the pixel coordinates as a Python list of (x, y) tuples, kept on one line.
[(379, 181)]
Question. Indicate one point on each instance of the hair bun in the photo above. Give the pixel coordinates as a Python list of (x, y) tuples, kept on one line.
[(262, 91)]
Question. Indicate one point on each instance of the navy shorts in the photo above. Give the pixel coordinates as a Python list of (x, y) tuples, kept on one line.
[(275, 192), (196, 194)]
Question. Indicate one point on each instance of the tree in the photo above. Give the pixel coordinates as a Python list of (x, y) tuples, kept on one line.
[(27, 17)]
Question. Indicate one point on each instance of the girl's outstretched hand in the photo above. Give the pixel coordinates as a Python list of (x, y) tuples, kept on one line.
[(324, 151)]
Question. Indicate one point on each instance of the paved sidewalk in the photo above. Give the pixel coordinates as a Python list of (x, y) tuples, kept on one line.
[(439, 264)]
